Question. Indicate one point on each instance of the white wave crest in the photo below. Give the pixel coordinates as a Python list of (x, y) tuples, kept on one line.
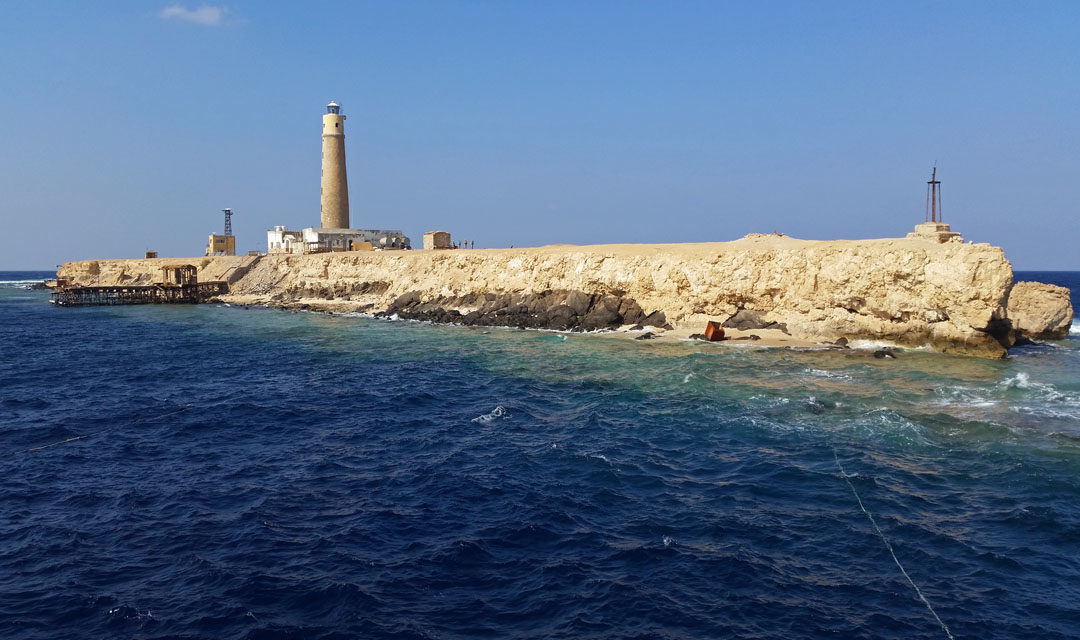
[(1074, 330), (1019, 381), (20, 284), (770, 401), (496, 413), (1022, 380), (887, 424), (1049, 401), (821, 373), (873, 344)]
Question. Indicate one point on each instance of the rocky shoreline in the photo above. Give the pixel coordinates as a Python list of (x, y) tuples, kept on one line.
[(952, 297), (554, 310)]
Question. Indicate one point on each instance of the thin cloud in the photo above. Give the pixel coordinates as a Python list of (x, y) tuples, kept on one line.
[(204, 15)]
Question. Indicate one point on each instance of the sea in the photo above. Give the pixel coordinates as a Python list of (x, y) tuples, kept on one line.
[(220, 471)]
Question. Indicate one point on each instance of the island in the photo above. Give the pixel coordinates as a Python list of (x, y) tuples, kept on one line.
[(928, 290)]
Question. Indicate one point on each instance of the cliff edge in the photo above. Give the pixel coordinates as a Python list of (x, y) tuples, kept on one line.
[(914, 292)]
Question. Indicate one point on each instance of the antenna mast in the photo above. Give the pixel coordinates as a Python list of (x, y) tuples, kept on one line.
[(933, 197), (228, 221)]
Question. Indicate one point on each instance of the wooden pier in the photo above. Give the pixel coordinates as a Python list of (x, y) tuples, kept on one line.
[(179, 285)]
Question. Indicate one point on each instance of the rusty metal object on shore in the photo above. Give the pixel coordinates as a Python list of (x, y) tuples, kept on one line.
[(714, 331)]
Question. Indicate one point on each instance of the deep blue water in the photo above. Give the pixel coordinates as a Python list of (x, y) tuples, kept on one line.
[(220, 472)]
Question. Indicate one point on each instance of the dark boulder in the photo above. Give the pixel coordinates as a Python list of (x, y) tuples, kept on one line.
[(404, 301), (631, 311), (496, 302), (560, 318), (656, 319), (579, 301), (603, 315), (747, 319)]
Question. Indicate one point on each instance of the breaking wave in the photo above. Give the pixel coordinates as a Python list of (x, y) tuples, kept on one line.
[(496, 413)]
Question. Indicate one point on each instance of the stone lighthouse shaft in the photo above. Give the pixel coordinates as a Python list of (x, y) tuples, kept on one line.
[(335, 185)]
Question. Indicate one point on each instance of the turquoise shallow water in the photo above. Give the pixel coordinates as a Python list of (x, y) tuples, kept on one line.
[(220, 472)]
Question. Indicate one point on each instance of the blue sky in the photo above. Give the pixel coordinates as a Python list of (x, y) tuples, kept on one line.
[(129, 125)]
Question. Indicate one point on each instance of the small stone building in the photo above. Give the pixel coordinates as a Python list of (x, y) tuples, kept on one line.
[(179, 274), (221, 245), (437, 240)]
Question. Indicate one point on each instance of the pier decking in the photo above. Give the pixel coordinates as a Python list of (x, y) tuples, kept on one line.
[(147, 294)]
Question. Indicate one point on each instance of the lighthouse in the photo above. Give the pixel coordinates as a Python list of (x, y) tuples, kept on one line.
[(335, 186), (334, 233)]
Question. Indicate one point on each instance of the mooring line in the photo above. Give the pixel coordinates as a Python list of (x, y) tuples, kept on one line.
[(888, 545), (101, 431)]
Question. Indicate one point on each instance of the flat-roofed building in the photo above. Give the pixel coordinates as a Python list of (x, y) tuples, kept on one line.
[(221, 245), (437, 240), (318, 240)]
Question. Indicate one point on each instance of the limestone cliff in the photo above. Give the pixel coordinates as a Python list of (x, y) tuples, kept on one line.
[(948, 296), (1040, 311), (148, 271)]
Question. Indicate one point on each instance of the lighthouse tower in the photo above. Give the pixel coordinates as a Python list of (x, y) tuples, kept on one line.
[(335, 186)]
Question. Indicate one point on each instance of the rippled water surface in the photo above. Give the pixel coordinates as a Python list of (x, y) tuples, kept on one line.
[(221, 472)]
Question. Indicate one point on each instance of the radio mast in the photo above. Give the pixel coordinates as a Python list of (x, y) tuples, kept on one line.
[(933, 198)]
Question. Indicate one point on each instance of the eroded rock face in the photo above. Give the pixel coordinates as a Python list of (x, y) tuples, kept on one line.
[(1040, 311), (950, 296), (557, 310)]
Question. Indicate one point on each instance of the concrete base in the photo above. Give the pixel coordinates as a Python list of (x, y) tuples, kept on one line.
[(935, 231)]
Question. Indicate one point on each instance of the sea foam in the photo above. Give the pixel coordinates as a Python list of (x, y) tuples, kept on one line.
[(496, 413)]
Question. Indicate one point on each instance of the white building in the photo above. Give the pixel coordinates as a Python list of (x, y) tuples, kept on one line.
[(280, 240), (318, 240)]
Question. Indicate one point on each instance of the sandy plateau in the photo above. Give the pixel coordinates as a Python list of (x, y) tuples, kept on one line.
[(952, 297)]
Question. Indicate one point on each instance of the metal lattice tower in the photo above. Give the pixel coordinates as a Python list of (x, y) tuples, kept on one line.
[(228, 221), (933, 198)]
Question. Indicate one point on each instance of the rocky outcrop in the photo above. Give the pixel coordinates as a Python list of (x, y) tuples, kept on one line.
[(950, 296), (1040, 311), (745, 319), (557, 310)]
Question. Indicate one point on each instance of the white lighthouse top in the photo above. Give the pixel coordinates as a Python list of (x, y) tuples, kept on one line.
[(333, 107)]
